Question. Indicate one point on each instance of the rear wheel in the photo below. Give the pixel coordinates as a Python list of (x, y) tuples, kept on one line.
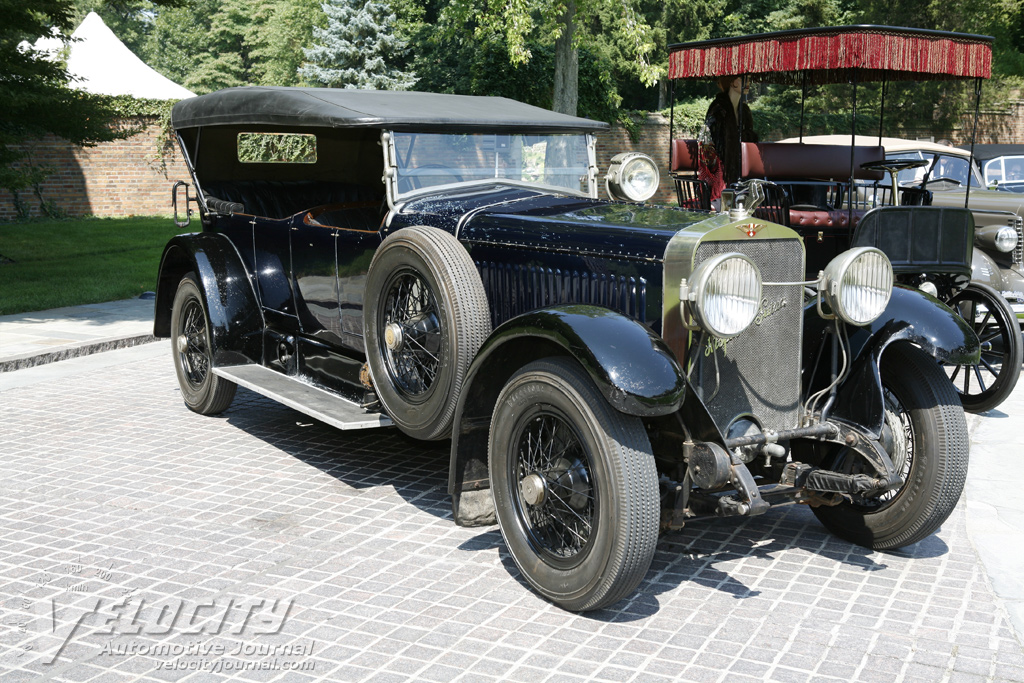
[(925, 434), (988, 383), (575, 487), (203, 391)]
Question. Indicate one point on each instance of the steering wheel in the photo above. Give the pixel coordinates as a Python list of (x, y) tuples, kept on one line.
[(893, 167)]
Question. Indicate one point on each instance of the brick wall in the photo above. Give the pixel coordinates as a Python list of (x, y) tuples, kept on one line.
[(997, 127), (128, 177), (119, 178)]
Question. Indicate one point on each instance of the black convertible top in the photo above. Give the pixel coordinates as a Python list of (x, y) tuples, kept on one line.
[(344, 108), (984, 152)]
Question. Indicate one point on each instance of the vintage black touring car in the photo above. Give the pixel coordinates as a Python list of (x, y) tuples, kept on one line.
[(605, 370)]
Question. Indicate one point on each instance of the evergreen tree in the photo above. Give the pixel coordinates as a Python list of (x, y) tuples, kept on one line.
[(358, 49)]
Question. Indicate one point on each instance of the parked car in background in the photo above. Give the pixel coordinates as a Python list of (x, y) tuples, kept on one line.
[(998, 260), (1002, 165), (605, 369)]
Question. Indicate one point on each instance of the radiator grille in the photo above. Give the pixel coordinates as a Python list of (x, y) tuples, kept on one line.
[(1018, 251), (759, 372), (513, 289)]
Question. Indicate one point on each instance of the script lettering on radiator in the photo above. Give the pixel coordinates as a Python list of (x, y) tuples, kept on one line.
[(769, 308)]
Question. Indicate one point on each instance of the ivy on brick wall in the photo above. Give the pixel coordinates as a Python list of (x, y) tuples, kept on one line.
[(127, 107), (138, 113)]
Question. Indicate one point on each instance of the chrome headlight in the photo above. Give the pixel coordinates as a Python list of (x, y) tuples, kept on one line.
[(1006, 239), (633, 177), (857, 285), (723, 295)]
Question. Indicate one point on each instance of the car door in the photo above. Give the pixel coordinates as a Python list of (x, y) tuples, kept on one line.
[(272, 251), (331, 254)]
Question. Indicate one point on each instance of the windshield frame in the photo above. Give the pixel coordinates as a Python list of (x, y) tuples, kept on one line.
[(396, 198)]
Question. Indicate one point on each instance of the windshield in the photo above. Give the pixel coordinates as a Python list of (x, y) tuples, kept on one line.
[(1004, 169), (429, 159), (938, 167)]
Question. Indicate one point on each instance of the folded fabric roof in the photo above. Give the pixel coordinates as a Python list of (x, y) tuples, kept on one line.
[(350, 108)]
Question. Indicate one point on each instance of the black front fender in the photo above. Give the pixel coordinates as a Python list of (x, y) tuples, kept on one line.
[(630, 365), (236, 321), (911, 316)]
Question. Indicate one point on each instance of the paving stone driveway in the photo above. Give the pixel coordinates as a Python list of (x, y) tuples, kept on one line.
[(141, 541)]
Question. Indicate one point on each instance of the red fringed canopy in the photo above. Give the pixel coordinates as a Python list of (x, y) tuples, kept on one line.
[(828, 55)]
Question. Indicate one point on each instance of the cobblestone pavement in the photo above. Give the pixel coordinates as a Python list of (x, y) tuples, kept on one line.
[(141, 541)]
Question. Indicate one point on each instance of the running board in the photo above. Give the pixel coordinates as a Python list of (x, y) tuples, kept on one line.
[(305, 398)]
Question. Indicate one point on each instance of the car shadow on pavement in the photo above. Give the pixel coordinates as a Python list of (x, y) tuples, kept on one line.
[(725, 555), (365, 458), (730, 555)]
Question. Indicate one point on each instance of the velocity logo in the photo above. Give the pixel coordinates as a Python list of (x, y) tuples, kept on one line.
[(139, 617)]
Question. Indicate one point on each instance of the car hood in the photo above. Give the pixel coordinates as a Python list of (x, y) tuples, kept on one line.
[(565, 223), (981, 199)]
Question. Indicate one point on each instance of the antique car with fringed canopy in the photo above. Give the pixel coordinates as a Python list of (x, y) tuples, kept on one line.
[(844, 194), (605, 370)]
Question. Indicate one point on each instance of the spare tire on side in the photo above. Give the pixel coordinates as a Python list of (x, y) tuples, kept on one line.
[(425, 315)]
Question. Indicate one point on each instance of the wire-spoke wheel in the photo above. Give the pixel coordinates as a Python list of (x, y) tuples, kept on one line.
[(203, 391), (556, 494), (925, 435), (425, 316), (412, 333), (988, 383), (575, 486)]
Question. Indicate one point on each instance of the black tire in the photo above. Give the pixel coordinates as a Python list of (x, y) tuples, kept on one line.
[(203, 391), (926, 437), (424, 297), (591, 550), (985, 385)]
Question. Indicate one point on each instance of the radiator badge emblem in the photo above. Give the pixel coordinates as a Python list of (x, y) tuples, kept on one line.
[(751, 228), (769, 308)]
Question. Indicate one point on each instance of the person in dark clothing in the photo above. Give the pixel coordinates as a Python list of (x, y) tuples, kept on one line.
[(721, 130)]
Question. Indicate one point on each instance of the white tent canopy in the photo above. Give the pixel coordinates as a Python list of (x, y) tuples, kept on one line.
[(100, 63)]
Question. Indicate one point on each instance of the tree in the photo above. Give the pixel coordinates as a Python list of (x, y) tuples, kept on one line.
[(358, 49), (463, 67), (520, 20), (36, 95), (179, 39), (227, 62), (280, 31)]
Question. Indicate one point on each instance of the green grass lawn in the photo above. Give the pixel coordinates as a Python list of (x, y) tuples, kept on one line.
[(66, 263)]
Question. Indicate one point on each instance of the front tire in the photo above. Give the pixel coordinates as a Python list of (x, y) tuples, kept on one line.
[(925, 434), (203, 391), (575, 487), (985, 385)]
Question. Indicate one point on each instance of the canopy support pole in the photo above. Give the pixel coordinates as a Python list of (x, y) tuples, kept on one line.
[(739, 122), (853, 144), (881, 110), (803, 102), (974, 137), (671, 122)]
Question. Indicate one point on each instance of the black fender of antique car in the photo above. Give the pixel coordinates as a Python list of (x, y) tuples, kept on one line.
[(629, 363), (236, 320), (912, 316)]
